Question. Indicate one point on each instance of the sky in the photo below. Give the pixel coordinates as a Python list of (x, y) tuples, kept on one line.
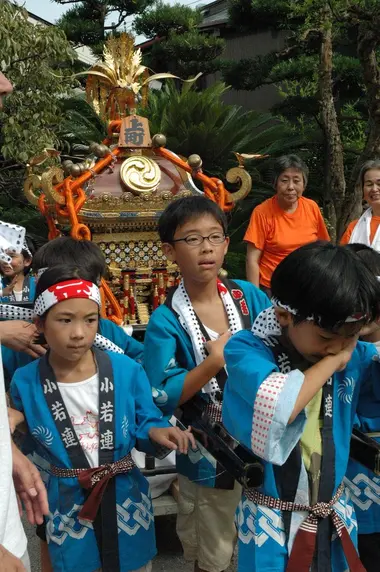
[(49, 10)]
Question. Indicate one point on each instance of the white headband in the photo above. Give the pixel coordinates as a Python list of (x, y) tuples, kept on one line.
[(67, 290), (9, 312), (317, 319), (12, 238)]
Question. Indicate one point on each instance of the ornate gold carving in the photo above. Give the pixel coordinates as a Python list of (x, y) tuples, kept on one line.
[(123, 238), (130, 203), (183, 194), (140, 174), (31, 184), (52, 177), (239, 175)]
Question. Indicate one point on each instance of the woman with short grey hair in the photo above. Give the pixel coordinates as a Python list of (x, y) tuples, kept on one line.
[(366, 229), (282, 223)]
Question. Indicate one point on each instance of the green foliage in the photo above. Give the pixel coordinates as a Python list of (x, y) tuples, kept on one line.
[(83, 26), (37, 60), (295, 71), (16, 211), (249, 73), (199, 122), (162, 20), (80, 126), (86, 22), (180, 48), (253, 15)]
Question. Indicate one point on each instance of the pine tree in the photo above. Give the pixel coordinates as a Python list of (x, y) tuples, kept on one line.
[(180, 47), (87, 22), (329, 80)]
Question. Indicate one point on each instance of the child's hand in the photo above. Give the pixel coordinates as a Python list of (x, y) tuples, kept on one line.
[(344, 356), (216, 348), (8, 289), (173, 438), (15, 418)]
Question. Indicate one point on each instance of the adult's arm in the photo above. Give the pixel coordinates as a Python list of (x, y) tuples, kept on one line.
[(20, 337), (29, 487), (255, 237), (252, 264), (9, 563)]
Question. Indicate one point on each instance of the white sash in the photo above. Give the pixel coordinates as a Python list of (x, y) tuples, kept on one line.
[(362, 231), (182, 305)]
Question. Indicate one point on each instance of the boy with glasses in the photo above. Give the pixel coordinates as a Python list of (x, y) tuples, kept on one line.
[(183, 356)]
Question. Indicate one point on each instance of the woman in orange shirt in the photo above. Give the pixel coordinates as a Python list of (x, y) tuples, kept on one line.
[(366, 229), (282, 223)]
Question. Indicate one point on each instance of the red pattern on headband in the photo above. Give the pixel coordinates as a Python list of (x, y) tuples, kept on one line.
[(75, 288)]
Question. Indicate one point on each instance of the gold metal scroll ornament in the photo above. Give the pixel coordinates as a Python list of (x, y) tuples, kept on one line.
[(140, 174), (239, 175), (52, 177), (32, 184)]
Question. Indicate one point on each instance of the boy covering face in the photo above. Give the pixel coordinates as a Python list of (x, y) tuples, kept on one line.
[(291, 397)]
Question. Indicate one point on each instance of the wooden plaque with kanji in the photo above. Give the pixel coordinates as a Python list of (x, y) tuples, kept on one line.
[(134, 132)]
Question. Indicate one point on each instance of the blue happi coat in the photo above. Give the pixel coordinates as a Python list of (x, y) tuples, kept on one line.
[(364, 485), (264, 545), (168, 358), (72, 542), (28, 291)]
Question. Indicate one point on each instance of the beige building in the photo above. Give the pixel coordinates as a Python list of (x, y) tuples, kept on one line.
[(239, 46), (84, 53)]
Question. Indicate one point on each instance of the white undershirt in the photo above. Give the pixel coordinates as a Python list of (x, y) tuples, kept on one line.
[(18, 295), (82, 403), (213, 335), (12, 535)]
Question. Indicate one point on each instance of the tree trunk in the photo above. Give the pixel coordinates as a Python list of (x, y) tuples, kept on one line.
[(368, 41), (334, 184)]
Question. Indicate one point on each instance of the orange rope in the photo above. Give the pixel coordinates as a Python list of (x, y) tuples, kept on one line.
[(113, 127), (53, 231), (80, 231), (213, 188), (117, 316)]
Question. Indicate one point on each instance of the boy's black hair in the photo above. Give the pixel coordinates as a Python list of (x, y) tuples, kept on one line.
[(83, 254), (182, 210), (329, 282), (60, 273), (368, 255)]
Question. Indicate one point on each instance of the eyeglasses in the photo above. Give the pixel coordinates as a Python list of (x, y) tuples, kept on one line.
[(197, 239)]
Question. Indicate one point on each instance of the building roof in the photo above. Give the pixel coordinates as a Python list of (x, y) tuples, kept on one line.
[(84, 53), (32, 16), (215, 14)]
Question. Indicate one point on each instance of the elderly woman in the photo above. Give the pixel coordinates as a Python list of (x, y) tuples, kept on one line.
[(366, 229), (282, 223)]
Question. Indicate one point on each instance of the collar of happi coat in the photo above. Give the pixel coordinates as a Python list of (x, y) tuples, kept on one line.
[(266, 324), (187, 317)]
